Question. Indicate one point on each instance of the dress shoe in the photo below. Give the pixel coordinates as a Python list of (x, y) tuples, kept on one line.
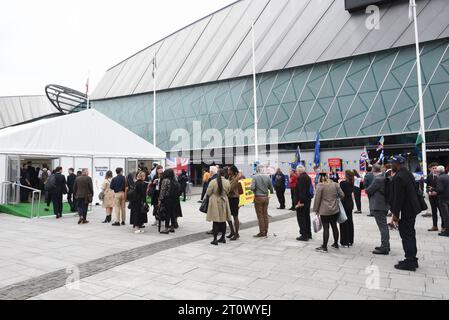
[(222, 240), (381, 252), (301, 238), (358, 212), (405, 267), (433, 229), (214, 243), (409, 263), (235, 237), (382, 249), (116, 224), (281, 208), (80, 221), (165, 231), (230, 235), (444, 234), (335, 246), (259, 235), (85, 222), (123, 223)]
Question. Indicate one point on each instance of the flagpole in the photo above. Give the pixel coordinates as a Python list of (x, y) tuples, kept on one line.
[(87, 90), (154, 99), (420, 91), (256, 120)]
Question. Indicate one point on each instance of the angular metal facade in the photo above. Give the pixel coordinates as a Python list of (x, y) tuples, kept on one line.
[(360, 96), (289, 34), (15, 110)]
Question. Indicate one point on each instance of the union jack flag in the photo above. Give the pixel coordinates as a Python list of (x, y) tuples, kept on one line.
[(177, 164)]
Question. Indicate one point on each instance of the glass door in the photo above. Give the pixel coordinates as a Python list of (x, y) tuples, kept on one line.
[(131, 166), (13, 193)]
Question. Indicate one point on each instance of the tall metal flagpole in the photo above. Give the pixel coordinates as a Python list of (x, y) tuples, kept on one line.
[(256, 120), (87, 90), (154, 99), (420, 91)]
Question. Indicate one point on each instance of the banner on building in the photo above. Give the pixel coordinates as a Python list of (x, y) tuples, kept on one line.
[(178, 165)]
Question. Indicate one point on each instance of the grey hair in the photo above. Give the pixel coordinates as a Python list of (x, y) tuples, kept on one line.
[(300, 169), (377, 168), (213, 170), (441, 169)]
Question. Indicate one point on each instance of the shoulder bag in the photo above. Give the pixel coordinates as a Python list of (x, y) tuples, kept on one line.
[(342, 218)]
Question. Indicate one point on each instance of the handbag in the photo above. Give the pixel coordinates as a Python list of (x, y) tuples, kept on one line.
[(101, 196), (342, 217), (241, 189), (204, 205), (145, 208), (317, 225)]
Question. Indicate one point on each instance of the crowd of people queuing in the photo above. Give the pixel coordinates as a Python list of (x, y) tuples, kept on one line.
[(392, 191)]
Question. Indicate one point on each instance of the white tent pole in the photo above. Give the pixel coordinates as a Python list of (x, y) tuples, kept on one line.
[(154, 99), (256, 120), (420, 91)]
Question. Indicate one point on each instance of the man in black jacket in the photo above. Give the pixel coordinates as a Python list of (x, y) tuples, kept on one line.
[(279, 186), (303, 185), (70, 182), (443, 198), (405, 207), (57, 193), (431, 182)]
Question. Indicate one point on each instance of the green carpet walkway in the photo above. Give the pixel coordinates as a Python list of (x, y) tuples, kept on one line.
[(24, 210)]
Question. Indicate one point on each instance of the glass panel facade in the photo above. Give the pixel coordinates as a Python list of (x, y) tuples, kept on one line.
[(364, 96)]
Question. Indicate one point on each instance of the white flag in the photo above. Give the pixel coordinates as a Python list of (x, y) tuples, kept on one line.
[(410, 9)]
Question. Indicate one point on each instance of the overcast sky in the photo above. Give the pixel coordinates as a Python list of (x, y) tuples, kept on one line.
[(59, 41)]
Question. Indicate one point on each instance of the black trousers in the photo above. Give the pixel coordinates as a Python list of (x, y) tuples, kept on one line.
[(219, 227), (56, 199), (408, 236), (293, 195), (280, 193), (82, 208), (347, 230), (358, 198), (183, 192), (434, 205), (70, 201), (304, 222), (203, 193)]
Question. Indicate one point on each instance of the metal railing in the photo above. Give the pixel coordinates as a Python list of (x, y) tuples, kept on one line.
[(5, 196)]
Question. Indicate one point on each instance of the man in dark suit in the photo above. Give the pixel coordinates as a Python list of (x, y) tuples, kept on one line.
[(379, 207), (57, 193), (431, 182), (443, 198), (84, 191), (405, 207), (70, 183), (304, 198)]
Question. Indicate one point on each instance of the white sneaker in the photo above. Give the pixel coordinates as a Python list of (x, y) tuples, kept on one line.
[(139, 231)]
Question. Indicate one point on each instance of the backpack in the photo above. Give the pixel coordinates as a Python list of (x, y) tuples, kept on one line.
[(50, 185), (131, 194), (311, 191), (44, 176), (175, 189)]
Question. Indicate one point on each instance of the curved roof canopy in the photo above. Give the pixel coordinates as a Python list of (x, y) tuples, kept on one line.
[(289, 33)]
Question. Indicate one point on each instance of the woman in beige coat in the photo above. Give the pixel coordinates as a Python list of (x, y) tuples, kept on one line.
[(327, 208), (218, 210), (108, 194)]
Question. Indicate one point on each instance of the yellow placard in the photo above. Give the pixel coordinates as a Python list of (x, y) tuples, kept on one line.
[(248, 196)]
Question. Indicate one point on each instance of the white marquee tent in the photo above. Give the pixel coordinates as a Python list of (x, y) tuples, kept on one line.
[(86, 139)]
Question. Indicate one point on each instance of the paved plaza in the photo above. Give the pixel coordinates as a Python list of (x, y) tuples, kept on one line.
[(43, 258)]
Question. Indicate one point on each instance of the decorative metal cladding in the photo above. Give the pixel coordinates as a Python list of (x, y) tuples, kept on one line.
[(64, 99), (362, 96)]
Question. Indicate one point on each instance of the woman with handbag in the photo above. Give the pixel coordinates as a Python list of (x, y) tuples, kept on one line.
[(234, 201), (154, 189), (347, 228), (218, 210), (138, 204), (326, 205), (107, 196)]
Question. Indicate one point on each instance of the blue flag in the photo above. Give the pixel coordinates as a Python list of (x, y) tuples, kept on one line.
[(297, 160), (317, 149)]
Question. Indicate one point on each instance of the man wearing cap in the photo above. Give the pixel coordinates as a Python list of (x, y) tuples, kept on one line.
[(405, 207)]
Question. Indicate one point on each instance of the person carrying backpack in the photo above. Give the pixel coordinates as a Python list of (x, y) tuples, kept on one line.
[(304, 198), (169, 200), (378, 205)]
